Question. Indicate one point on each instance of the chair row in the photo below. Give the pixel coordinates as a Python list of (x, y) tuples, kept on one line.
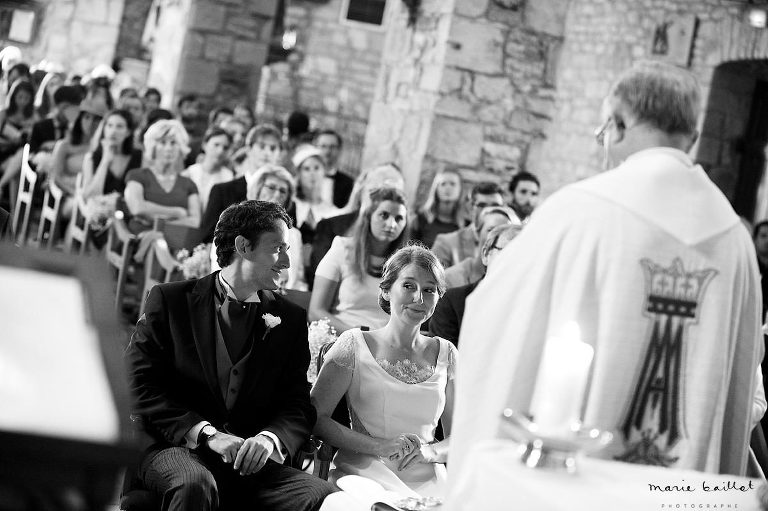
[(77, 233)]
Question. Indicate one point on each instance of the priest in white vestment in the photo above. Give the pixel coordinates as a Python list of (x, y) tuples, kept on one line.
[(653, 264)]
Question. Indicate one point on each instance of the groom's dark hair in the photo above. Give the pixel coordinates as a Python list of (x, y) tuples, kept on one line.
[(250, 219)]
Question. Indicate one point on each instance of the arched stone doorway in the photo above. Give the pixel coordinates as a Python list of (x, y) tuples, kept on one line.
[(734, 134)]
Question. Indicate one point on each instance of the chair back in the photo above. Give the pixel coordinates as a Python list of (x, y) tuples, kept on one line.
[(159, 267), (78, 234), (120, 247), (23, 206), (49, 216)]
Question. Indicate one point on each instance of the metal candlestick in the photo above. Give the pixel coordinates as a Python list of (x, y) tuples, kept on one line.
[(557, 452)]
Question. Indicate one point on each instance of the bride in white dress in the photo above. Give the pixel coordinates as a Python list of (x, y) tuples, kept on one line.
[(398, 383)]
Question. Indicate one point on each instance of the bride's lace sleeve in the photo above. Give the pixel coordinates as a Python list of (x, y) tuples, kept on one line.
[(343, 353), (453, 360)]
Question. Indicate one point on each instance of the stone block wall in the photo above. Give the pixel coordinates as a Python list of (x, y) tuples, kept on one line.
[(134, 19), (331, 76), (602, 38), (479, 77), (77, 34), (226, 45)]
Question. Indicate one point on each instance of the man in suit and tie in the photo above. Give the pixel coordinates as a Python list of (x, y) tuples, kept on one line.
[(453, 247), (218, 370), (337, 185), (265, 147)]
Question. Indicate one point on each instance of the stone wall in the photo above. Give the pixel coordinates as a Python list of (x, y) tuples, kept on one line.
[(331, 76), (484, 88), (224, 44), (134, 19), (77, 34), (602, 38)]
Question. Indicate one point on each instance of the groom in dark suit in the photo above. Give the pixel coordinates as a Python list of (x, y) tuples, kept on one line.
[(218, 369)]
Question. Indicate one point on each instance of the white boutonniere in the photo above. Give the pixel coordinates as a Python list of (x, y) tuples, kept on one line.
[(271, 322)]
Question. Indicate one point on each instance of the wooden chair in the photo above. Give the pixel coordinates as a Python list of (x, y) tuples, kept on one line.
[(78, 231), (49, 216), (325, 451), (159, 267), (120, 247), (23, 206)]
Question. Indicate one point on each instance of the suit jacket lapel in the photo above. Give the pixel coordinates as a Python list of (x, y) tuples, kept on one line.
[(201, 313)]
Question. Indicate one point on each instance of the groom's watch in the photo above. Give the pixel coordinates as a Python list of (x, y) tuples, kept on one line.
[(205, 434)]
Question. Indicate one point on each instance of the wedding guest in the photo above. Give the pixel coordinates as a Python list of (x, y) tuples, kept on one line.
[(222, 440), (238, 152), (264, 148), (398, 384), (70, 152), (130, 101), (152, 99), (218, 116), (244, 114), (446, 321), (112, 156), (337, 185), (524, 194), (658, 272), (442, 212), (211, 170), (158, 190), (349, 274), (454, 247), (17, 118), (310, 205), (44, 102), (387, 175), (472, 269)]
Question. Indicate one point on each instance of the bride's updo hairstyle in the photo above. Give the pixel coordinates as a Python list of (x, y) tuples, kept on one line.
[(414, 253)]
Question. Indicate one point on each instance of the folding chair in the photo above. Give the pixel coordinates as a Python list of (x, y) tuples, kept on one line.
[(78, 231), (27, 180), (49, 216), (120, 247), (159, 267)]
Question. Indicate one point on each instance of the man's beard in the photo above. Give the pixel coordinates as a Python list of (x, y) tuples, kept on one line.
[(522, 210)]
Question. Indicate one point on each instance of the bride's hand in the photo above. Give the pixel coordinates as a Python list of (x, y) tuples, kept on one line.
[(424, 454), (397, 448)]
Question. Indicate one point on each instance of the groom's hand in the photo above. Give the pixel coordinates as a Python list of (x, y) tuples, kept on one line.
[(253, 454), (225, 445)]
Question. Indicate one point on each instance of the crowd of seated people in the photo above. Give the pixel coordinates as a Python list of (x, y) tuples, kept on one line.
[(391, 279), (354, 246)]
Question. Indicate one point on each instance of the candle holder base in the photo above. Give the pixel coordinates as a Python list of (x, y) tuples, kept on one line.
[(557, 452)]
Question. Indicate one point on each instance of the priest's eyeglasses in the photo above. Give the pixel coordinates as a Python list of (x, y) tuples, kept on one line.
[(600, 132)]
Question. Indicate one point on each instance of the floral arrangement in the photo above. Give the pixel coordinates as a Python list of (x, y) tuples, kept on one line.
[(320, 332), (196, 265), (101, 208)]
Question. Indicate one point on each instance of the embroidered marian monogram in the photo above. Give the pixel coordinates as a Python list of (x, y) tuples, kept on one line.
[(271, 322), (654, 423)]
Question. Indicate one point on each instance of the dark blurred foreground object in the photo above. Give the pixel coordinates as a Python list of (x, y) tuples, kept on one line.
[(64, 428)]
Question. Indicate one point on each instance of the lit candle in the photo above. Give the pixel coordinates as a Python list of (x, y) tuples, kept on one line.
[(562, 379)]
